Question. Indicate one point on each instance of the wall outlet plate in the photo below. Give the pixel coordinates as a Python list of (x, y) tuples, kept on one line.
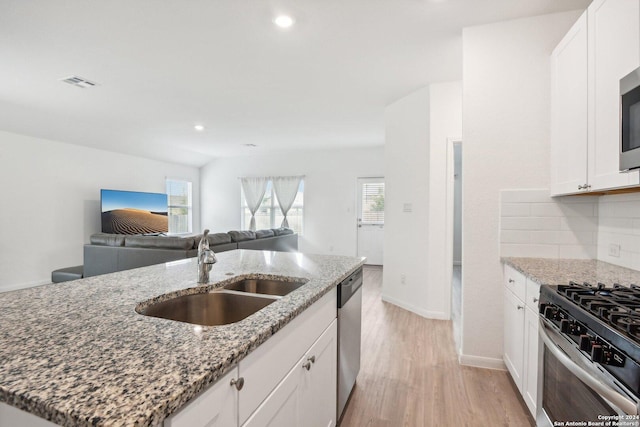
[(614, 250)]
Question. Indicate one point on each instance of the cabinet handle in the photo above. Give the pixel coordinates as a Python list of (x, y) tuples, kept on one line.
[(520, 307), (511, 280), (580, 187), (239, 383), (307, 364), (535, 300)]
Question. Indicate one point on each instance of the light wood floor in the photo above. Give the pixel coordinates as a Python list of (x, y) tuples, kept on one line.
[(410, 375)]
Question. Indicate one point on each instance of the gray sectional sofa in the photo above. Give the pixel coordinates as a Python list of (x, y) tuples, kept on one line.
[(108, 253)]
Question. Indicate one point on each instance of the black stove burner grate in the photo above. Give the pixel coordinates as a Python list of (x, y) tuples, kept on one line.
[(618, 306)]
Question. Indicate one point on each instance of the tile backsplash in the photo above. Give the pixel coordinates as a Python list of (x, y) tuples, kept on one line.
[(532, 224), (619, 230), (607, 228)]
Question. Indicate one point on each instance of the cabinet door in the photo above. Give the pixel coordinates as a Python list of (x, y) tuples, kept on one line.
[(319, 382), (614, 47), (569, 111), (267, 365), (282, 407), (530, 380), (215, 407), (514, 336)]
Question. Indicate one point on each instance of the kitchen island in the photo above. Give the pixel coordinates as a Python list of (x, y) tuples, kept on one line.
[(78, 354)]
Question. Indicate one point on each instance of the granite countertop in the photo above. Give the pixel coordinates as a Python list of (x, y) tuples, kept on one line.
[(77, 353), (560, 271)]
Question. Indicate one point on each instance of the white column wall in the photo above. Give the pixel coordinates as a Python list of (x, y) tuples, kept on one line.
[(506, 108), (417, 266), (406, 233)]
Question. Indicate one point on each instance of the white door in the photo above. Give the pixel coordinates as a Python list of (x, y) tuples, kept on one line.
[(371, 219)]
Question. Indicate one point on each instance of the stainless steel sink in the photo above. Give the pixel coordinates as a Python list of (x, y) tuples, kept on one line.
[(265, 286), (209, 309)]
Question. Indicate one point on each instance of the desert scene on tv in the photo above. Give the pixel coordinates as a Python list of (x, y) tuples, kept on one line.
[(130, 212)]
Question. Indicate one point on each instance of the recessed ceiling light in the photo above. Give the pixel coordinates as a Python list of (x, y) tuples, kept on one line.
[(283, 21), (199, 128)]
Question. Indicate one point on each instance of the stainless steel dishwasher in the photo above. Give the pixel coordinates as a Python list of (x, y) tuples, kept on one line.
[(349, 330)]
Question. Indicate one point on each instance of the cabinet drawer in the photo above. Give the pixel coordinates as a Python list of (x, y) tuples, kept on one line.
[(515, 282), (263, 369), (533, 294), (216, 406)]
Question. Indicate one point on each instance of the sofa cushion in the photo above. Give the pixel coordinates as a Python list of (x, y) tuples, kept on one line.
[(159, 242), (106, 239), (219, 239), (214, 239), (261, 234), (282, 231), (241, 236)]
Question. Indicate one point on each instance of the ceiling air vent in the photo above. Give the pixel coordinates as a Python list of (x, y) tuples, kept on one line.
[(79, 81)]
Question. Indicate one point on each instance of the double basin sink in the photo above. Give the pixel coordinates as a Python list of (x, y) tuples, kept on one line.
[(229, 304)]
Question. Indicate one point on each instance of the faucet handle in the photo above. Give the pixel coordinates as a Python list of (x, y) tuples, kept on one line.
[(209, 257)]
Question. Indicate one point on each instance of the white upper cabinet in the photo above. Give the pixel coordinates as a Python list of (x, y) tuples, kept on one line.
[(586, 67), (614, 45), (569, 111)]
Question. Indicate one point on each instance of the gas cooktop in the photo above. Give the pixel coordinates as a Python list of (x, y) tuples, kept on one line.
[(618, 306)]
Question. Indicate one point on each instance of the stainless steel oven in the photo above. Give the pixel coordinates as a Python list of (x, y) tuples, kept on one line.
[(573, 388)]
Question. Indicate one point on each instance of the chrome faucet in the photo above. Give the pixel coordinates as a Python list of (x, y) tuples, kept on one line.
[(206, 258)]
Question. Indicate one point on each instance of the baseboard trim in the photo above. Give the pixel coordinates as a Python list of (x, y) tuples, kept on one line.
[(24, 285), (482, 362), (437, 315)]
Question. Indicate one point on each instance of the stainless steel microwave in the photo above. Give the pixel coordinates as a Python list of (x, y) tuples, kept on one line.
[(630, 121)]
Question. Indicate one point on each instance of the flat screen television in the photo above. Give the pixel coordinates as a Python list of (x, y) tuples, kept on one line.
[(132, 212)]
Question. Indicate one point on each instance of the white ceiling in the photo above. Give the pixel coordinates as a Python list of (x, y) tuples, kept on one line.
[(164, 66)]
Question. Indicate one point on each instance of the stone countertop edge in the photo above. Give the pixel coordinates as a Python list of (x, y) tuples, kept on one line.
[(549, 271), (82, 356)]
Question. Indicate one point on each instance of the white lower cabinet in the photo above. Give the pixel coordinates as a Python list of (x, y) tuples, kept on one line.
[(521, 334), (307, 395), (514, 337), (272, 385)]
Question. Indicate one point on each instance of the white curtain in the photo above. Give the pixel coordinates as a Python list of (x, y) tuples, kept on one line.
[(286, 188), (254, 188)]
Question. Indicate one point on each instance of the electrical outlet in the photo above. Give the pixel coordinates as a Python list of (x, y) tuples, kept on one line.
[(614, 250), (403, 279)]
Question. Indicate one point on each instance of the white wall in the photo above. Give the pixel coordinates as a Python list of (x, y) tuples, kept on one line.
[(51, 201), (532, 224), (406, 237), (445, 124), (506, 145), (417, 130), (329, 200)]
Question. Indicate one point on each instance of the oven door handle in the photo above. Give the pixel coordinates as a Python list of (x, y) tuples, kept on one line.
[(613, 397)]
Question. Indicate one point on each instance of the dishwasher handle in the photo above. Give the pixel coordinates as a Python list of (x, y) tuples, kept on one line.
[(348, 287)]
